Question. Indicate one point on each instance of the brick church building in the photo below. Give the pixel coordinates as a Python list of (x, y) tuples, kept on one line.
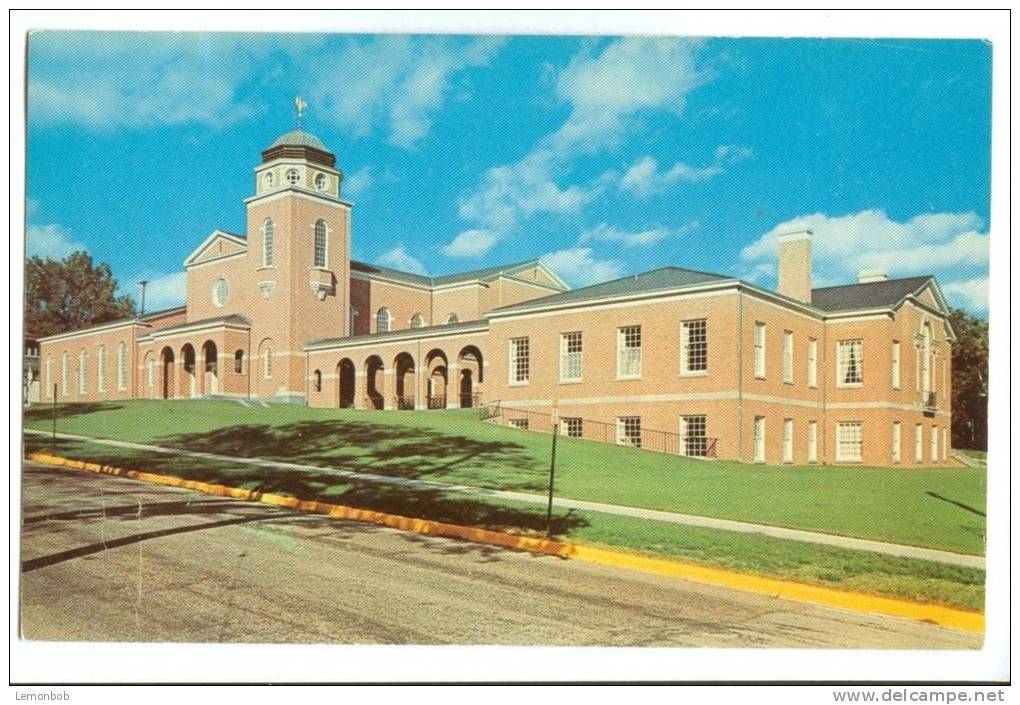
[(725, 368)]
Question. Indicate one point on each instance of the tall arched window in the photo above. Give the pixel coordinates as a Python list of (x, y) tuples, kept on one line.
[(320, 243), (318, 380), (151, 370), (49, 375), (267, 243), (417, 321), (83, 361), (452, 318), (121, 366), (382, 320), (65, 367), (101, 369)]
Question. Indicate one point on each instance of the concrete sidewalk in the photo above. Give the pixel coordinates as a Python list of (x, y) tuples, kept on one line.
[(848, 542)]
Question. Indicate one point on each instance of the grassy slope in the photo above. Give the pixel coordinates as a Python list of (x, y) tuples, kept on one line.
[(819, 565), (934, 507)]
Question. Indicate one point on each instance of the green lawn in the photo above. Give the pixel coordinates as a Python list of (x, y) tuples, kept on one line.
[(934, 507), (980, 455)]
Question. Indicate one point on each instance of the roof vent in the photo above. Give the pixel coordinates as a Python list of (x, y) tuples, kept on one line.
[(866, 276)]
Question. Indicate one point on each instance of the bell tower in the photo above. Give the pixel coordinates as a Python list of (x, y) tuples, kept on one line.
[(299, 243)]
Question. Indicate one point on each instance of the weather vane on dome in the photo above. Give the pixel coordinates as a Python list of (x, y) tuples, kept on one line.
[(299, 108)]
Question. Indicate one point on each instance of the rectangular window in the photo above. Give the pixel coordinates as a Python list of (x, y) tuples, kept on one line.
[(49, 375), (101, 369), (759, 350), (82, 371), (519, 423), (812, 363), (64, 374), (572, 426), (152, 373), (945, 395), (849, 444), (895, 364), (628, 431), (692, 436), (759, 439), (934, 444), (849, 363), (812, 441), (570, 357), (787, 440), (519, 360), (694, 347), (121, 367), (628, 348), (788, 357), (896, 441), (918, 443)]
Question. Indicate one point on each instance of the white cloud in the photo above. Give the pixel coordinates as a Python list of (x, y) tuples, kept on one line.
[(105, 80), (396, 81), (608, 233), (360, 181), (930, 243), (51, 240), (471, 243), (644, 178), (579, 266), (400, 258), (162, 291), (969, 293), (606, 92)]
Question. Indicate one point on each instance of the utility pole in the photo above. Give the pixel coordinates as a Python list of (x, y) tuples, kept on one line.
[(142, 284), (552, 476)]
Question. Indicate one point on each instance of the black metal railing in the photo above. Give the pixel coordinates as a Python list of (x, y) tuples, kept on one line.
[(404, 403), (470, 400), (693, 446), (436, 401)]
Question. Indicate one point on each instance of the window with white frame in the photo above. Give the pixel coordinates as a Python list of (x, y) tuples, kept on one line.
[(382, 320), (945, 393), (934, 450), (520, 362), (849, 362), (49, 375), (812, 363), (694, 346), (320, 243), (759, 350), (417, 321), (519, 423), (101, 369), (151, 372), (849, 442), (121, 367), (628, 431), (572, 426), (293, 177), (918, 443), (268, 232), (787, 440), (570, 357), (897, 441), (812, 441), (895, 364), (83, 361), (692, 436), (267, 363), (759, 439), (628, 352), (65, 365), (788, 357)]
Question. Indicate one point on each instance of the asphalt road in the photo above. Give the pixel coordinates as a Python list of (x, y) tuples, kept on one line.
[(108, 559)]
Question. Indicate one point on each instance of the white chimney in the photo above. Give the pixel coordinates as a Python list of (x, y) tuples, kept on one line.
[(795, 264), (866, 276)]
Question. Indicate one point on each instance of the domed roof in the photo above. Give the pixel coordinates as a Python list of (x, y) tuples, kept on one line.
[(299, 138)]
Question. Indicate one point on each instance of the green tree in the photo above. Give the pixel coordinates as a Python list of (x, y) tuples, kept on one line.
[(71, 293), (970, 380)]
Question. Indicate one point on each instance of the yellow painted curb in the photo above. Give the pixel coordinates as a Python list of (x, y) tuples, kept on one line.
[(857, 602)]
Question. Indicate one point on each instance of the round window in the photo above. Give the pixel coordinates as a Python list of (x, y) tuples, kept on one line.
[(220, 292), (321, 182), (293, 177)]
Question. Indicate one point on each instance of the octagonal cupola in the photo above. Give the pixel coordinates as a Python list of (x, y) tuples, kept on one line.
[(300, 161)]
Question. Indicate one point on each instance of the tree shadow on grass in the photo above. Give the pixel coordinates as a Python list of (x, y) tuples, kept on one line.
[(65, 411)]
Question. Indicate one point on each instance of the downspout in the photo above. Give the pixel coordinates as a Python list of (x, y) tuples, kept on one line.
[(740, 374)]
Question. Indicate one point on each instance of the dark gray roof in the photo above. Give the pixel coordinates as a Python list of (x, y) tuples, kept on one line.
[(161, 312), (422, 280), (235, 318), (881, 294), (655, 280), (424, 331), (299, 138)]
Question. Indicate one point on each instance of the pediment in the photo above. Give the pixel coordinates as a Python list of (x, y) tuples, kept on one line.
[(218, 244)]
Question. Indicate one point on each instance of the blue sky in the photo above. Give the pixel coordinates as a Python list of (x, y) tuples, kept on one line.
[(603, 156)]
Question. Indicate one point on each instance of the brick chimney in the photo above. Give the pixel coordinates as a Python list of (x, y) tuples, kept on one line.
[(795, 264)]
